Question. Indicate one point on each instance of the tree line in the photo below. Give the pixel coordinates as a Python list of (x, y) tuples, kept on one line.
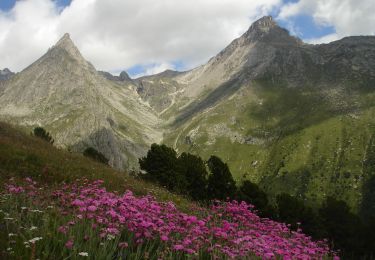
[(204, 181)]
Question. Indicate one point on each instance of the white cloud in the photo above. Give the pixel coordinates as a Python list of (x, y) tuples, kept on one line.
[(116, 34), (324, 39), (24, 30), (348, 17), (155, 69)]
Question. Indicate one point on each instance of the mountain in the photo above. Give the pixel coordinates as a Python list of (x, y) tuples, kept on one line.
[(65, 94), (291, 116), (5, 74), (159, 90), (123, 77)]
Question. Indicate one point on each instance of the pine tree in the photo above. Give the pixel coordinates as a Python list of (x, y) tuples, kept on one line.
[(161, 166), (195, 173), (43, 134), (220, 182)]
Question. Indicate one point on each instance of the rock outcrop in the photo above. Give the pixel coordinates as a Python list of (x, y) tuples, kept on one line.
[(5, 74)]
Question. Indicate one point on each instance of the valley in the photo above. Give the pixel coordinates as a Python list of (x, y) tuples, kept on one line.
[(290, 116)]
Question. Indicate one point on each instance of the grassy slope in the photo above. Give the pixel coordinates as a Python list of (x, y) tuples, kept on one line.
[(22, 155), (306, 146)]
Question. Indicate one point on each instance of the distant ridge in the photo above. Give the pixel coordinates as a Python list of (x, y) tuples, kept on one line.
[(290, 116)]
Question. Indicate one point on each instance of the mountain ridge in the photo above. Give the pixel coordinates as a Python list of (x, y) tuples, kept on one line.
[(63, 92), (262, 104)]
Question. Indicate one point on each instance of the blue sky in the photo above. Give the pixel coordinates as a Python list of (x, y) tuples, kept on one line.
[(114, 39), (6, 5)]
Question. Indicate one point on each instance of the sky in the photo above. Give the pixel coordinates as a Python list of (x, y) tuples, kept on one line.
[(146, 37)]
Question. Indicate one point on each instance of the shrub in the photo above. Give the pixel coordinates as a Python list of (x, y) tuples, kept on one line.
[(344, 228), (294, 212), (95, 155), (43, 134), (250, 192)]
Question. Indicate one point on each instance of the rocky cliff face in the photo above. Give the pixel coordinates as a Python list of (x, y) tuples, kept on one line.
[(65, 94), (122, 78)]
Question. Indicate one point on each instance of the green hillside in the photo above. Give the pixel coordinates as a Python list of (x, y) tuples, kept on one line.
[(308, 142), (60, 205), (23, 155)]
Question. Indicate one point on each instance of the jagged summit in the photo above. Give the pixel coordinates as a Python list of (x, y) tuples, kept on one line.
[(5, 74), (64, 93), (6, 70), (68, 45), (124, 76), (263, 24), (266, 29)]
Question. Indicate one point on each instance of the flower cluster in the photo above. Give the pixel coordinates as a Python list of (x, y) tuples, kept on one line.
[(29, 188), (230, 229)]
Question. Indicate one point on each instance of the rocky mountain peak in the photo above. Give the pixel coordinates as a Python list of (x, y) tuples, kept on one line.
[(124, 76), (266, 29), (67, 44), (264, 24), (6, 70), (6, 74)]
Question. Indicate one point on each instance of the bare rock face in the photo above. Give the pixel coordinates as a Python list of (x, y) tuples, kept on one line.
[(65, 94), (5, 75), (122, 78), (159, 90)]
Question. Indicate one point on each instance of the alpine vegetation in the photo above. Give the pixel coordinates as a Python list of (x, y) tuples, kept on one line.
[(84, 219)]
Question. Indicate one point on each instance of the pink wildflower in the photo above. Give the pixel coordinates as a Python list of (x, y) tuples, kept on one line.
[(91, 208), (123, 245), (164, 238), (69, 244), (178, 247), (62, 229)]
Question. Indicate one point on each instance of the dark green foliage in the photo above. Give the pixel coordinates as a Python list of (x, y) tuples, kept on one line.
[(294, 212), (368, 190), (195, 172), (344, 228), (95, 155), (187, 174), (368, 199), (290, 210), (220, 182), (43, 134), (251, 193), (369, 237), (162, 166)]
